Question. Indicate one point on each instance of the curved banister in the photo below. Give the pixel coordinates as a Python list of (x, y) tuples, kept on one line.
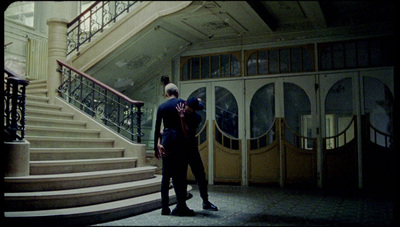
[(102, 102), (14, 101), (13, 74), (101, 84), (83, 13), (94, 20)]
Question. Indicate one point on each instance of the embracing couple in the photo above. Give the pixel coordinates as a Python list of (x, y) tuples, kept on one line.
[(177, 146)]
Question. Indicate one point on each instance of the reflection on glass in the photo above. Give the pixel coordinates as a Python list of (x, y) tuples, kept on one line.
[(215, 66), (338, 55), (273, 61), (339, 108), (226, 112), (262, 62), (378, 105), (186, 70), (235, 66), (295, 59), (284, 60), (307, 60), (205, 67), (201, 93), (297, 105), (262, 110), (195, 68), (252, 64)]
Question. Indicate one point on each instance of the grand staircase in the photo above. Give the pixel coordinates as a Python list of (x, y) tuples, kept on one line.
[(76, 176)]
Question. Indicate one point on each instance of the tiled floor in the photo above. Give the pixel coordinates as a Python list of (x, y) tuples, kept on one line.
[(274, 206)]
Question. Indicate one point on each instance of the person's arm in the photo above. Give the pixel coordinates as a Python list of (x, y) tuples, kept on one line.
[(181, 111), (157, 154), (160, 147)]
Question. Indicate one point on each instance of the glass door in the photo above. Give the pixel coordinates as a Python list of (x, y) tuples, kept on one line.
[(339, 104), (298, 125), (262, 131), (227, 122)]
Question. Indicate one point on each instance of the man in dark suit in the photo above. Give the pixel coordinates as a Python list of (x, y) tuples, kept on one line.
[(172, 151)]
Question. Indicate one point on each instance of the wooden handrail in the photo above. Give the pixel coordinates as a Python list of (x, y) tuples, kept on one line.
[(126, 98), (16, 77)]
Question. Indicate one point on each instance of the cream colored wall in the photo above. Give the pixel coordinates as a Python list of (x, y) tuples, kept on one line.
[(15, 54)]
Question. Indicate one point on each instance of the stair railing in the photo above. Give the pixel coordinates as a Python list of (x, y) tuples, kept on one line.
[(103, 103), (14, 106), (93, 20)]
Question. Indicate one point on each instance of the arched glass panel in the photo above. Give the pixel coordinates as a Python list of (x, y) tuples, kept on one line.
[(297, 110), (201, 93), (339, 110), (262, 110), (378, 103), (226, 112)]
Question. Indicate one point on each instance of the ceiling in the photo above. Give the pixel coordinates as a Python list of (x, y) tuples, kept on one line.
[(207, 22)]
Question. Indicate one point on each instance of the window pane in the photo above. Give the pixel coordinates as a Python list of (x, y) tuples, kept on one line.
[(205, 67), (215, 66), (378, 104), (375, 47), (195, 68), (225, 65), (295, 59), (226, 112), (201, 93), (262, 110), (338, 110), (284, 60), (362, 53), (185, 70), (326, 58), (296, 104), (307, 60), (235, 66), (262, 62), (350, 54), (338, 99), (273, 61), (338, 55), (21, 12), (252, 64)]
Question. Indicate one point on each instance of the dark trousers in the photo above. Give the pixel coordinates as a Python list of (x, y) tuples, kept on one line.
[(196, 164), (175, 167)]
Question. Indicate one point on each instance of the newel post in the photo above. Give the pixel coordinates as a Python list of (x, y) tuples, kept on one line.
[(57, 50)]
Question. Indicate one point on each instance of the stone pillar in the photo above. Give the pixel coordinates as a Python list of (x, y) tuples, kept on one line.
[(16, 161), (57, 51)]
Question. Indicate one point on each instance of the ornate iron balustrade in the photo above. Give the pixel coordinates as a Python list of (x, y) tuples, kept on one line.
[(14, 106), (93, 20), (102, 102)]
